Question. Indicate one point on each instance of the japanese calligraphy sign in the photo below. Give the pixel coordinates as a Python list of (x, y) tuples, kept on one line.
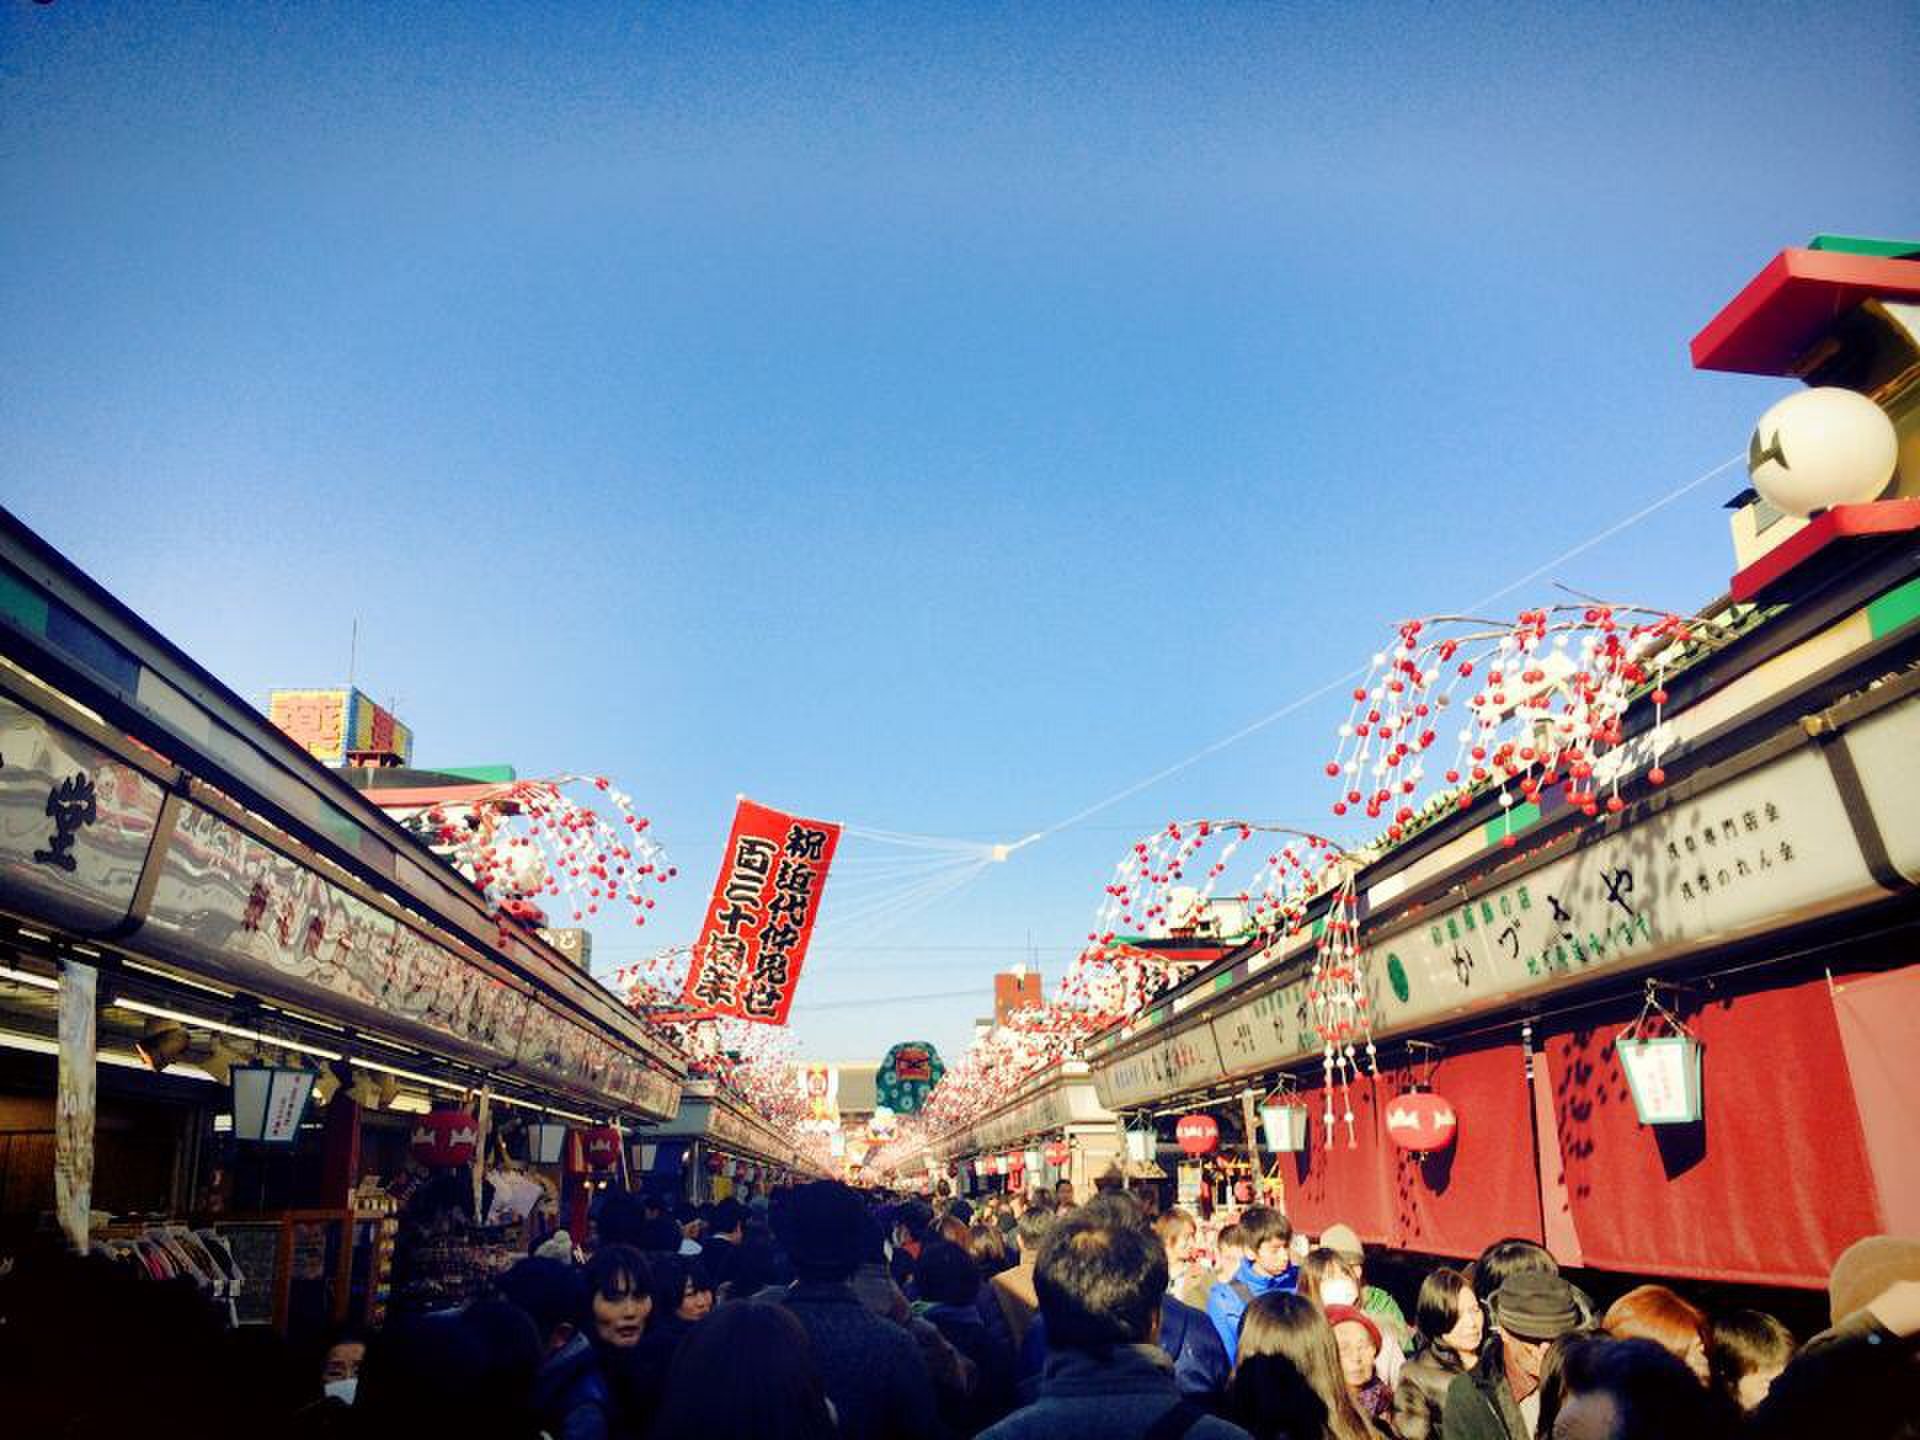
[(767, 896)]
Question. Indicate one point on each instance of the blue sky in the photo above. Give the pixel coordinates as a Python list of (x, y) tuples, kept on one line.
[(936, 418)]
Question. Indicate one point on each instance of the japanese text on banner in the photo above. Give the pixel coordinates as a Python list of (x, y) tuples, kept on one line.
[(767, 896)]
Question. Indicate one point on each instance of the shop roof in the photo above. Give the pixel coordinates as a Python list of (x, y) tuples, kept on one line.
[(1789, 305)]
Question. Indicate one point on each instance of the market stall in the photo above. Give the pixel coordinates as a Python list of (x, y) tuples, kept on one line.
[(236, 996)]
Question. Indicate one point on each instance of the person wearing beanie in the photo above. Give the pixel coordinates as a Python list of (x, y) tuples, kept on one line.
[(1359, 1339), (1861, 1377), (1500, 1398)]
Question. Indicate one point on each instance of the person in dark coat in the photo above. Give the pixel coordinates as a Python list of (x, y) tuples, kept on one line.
[(1100, 1281), (570, 1394), (1498, 1399), (1449, 1326), (949, 1292), (873, 1369)]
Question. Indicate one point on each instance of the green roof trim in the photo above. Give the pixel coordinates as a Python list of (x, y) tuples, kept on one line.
[(1516, 819), (1863, 245), (23, 604), (1894, 610)]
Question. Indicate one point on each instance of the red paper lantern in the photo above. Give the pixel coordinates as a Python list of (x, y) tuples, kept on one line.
[(1197, 1134), (1058, 1153), (1421, 1121), (714, 1163), (446, 1138), (603, 1149)]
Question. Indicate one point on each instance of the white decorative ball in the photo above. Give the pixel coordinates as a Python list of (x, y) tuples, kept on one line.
[(1821, 448)]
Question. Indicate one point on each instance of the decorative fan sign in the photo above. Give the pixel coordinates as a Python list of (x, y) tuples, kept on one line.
[(1421, 1121), (907, 1076), (1197, 1134)]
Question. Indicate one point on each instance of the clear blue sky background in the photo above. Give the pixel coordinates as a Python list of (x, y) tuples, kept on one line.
[(930, 417)]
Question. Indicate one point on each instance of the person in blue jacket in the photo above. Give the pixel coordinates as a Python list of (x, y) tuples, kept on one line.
[(1267, 1267)]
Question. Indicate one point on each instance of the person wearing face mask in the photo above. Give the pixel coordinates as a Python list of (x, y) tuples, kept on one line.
[(1384, 1309), (1450, 1326), (340, 1372)]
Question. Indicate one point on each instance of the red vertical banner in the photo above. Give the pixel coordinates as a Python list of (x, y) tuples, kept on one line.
[(767, 896)]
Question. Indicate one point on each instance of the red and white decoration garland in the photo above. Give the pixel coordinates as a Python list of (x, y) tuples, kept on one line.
[(531, 841)]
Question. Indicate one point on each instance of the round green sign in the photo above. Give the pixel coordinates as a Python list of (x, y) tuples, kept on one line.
[(907, 1076)]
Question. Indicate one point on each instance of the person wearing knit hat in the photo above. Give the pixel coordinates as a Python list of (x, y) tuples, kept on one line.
[(1500, 1398), (1359, 1340), (1861, 1378), (1385, 1310)]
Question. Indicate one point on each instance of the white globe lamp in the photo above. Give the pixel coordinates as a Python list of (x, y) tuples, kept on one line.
[(1821, 448)]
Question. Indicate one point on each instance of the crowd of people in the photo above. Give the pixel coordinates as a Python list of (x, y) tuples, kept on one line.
[(820, 1312)]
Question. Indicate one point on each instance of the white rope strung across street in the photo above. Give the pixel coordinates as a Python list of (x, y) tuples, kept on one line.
[(1340, 681), (892, 888)]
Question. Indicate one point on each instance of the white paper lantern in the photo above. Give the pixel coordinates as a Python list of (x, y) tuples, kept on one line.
[(545, 1141), (1663, 1074), (1142, 1146), (1821, 448)]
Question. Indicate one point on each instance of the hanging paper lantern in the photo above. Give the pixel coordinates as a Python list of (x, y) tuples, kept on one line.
[(1030, 1160), (1663, 1072), (446, 1138), (1058, 1153), (1142, 1146), (1197, 1134), (1285, 1127), (1421, 1121), (600, 1149), (715, 1164)]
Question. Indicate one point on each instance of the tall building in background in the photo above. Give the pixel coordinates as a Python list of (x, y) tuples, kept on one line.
[(1015, 989)]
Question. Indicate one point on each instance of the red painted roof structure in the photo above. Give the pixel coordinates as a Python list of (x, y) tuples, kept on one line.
[(1792, 303)]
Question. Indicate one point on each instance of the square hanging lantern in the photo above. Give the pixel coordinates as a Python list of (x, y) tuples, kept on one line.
[(546, 1141), (269, 1101), (1664, 1075), (1032, 1162), (1143, 1146), (1285, 1128)]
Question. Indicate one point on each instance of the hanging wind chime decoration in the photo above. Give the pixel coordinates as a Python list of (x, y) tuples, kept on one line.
[(1337, 1002)]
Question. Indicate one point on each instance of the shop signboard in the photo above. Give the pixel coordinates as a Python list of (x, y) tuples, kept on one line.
[(75, 823), (1174, 1063), (1768, 848)]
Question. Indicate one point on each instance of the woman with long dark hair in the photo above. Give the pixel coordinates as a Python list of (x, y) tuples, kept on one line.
[(619, 1321), (747, 1372), (1450, 1325), (1287, 1380)]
